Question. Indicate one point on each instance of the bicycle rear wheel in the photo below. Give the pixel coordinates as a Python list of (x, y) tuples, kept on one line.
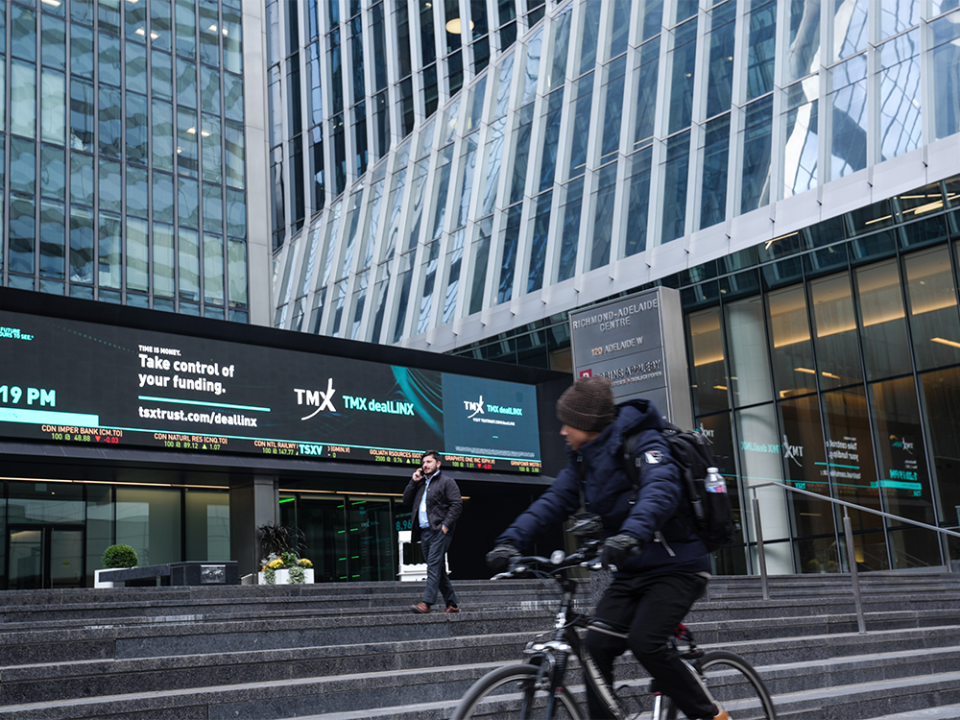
[(510, 693), (735, 685)]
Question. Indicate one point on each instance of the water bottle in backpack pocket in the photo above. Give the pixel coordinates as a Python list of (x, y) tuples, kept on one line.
[(704, 489)]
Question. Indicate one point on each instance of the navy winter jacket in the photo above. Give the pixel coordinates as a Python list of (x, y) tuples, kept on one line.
[(669, 546)]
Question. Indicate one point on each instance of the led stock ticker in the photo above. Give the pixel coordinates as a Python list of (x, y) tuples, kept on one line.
[(75, 382)]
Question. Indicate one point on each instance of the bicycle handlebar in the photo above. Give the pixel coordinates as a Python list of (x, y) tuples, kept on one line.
[(584, 557)]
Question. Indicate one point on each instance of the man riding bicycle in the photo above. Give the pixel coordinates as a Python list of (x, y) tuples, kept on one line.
[(661, 566)]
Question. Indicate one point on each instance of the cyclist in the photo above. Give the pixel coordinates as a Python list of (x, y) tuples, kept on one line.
[(661, 566)]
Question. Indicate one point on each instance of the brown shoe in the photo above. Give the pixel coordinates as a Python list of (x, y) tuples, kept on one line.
[(420, 607), (721, 715), (452, 609)]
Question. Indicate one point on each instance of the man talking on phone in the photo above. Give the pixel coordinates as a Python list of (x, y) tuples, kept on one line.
[(436, 504)]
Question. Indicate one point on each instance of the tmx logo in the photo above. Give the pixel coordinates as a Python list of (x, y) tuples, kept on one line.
[(477, 407), (902, 443), (316, 398), (792, 452)]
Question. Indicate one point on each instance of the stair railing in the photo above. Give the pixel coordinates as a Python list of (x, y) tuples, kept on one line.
[(848, 534)]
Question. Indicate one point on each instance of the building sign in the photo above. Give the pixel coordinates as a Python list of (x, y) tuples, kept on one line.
[(75, 382), (636, 342)]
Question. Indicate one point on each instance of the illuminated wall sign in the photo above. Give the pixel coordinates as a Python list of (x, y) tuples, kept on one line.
[(79, 382), (636, 342)]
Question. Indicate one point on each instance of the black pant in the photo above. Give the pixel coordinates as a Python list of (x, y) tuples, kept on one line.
[(640, 613), (435, 544)]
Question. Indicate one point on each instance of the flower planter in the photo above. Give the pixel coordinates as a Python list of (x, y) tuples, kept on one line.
[(283, 577), (105, 574)]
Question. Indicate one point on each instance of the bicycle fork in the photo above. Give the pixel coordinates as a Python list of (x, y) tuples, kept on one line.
[(552, 656)]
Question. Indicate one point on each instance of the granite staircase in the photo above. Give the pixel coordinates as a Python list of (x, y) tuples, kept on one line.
[(345, 652)]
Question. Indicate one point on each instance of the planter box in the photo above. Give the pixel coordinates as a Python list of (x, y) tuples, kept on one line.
[(98, 583), (191, 572), (283, 577)]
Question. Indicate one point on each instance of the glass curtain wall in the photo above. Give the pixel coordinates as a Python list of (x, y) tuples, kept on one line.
[(621, 128), (835, 375), (125, 140), (54, 533)]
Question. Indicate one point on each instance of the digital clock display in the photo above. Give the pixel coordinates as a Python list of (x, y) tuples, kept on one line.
[(75, 382)]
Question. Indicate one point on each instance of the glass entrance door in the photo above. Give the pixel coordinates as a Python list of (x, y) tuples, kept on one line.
[(45, 556)]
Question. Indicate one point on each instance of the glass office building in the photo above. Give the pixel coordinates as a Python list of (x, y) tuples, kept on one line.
[(458, 175), (130, 173), (123, 140)]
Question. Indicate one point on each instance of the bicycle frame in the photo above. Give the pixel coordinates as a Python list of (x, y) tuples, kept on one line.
[(552, 656)]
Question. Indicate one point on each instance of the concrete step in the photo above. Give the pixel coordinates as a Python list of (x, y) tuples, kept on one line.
[(115, 637), (51, 605), (720, 587), (944, 712), (358, 651), (58, 681), (861, 701), (852, 658), (838, 614), (193, 634), (293, 697), (873, 700), (417, 694)]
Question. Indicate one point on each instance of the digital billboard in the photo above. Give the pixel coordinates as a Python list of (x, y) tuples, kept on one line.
[(74, 382)]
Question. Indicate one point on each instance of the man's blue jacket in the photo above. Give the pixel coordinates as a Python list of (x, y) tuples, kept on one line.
[(669, 546)]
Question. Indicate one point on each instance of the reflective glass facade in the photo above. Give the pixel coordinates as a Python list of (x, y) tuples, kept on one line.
[(122, 153), (791, 167), (55, 531), (451, 170), (827, 359)]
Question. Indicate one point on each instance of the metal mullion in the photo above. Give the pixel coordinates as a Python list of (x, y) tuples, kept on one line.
[(864, 382), (67, 156), (151, 260), (124, 235), (915, 374), (175, 130), (8, 92), (222, 69), (202, 279), (821, 391), (38, 132), (96, 155)]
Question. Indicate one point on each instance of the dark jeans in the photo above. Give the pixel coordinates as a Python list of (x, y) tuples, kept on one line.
[(435, 544), (643, 611)]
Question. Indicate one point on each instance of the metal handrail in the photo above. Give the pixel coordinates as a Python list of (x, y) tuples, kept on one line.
[(848, 534)]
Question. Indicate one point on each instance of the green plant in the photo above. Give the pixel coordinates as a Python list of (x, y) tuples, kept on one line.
[(270, 576), (119, 556), (276, 539), (297, 576)]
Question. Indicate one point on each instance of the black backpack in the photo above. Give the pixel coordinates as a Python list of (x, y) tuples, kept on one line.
[(710, 513)]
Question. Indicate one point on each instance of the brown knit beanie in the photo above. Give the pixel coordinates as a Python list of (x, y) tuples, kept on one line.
[(587, 404)]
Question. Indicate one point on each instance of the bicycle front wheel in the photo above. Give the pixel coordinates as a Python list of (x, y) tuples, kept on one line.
[(735, 685), (511, 693)]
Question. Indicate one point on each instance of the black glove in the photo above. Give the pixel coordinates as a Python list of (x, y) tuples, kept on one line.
[(617, 549), (500, 558)]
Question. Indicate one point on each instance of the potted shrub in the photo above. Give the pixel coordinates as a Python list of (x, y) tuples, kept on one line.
[(115, 556), (281, 564)]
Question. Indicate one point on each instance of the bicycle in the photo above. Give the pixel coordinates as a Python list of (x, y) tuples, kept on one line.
[(536, 687)]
